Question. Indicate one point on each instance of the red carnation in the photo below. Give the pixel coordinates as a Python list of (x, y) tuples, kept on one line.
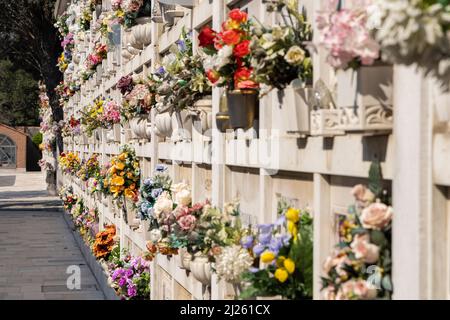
[(231, 37), (242, 49), (238, 15), (206, 37), (242, 79), (212, 75)]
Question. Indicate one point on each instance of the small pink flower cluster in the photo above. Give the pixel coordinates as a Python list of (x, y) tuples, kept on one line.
[(111, 113), (94, 59), (344, 33), (68, 39)]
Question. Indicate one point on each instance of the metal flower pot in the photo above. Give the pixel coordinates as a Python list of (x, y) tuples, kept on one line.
[(242, 108)]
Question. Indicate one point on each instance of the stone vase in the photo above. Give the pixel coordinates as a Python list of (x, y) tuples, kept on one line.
[(163, 125), (182, 126), (201, 269)]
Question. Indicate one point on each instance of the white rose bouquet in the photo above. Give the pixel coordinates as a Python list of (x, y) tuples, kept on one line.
[(415, 31), (279, 52)]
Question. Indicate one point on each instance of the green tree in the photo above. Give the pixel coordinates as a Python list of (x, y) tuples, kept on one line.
[(18, 96), (29, 39)]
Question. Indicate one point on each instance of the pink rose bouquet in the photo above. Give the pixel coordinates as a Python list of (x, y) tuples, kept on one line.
[(111, 113), (360, 267), (344, 34)]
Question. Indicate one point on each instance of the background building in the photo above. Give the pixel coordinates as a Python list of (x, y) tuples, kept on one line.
[(17, 150)]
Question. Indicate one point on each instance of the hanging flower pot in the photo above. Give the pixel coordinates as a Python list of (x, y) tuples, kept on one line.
[(142, 32), (140, 126), (186, 259), (201, 268), (242, 108), (130, 213), (290, 112), (364, 98), (117, 131), (182, 126), (163, 125), (203, 114), (109, 135)]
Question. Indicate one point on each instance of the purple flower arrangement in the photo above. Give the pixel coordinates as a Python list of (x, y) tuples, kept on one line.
[(132, 278)]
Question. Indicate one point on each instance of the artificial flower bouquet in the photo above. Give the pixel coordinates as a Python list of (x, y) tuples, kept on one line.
[(283, 254), (64, 91), (227, 60), (231, 259), (69, 162), (345, 34), (122, 178), (279, 52), (89, 168), (131, 277), (139, 95), (72, 127), (61, 25), (63, 61), (104, 242), (164, 218), (107, 21), (68, 197), (232, 263), (415, 32), (66, 56), (84, 20), (94, 59), (130, 10), (85, 220), (217, 229), (183, 77), (151, 189), (92, 116), (360, 267), (111, 114), (184, 230)]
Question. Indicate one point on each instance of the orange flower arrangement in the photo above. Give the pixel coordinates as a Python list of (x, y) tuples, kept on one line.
[(104, 242)]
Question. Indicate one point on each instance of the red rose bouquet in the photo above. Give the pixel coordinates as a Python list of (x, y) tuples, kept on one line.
[(227, 53)]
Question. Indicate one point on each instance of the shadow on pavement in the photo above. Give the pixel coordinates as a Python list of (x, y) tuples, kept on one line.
[(22, 194), (7, 181)]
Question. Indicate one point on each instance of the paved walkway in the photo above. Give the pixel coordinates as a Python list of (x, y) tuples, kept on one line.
[(36, 246)]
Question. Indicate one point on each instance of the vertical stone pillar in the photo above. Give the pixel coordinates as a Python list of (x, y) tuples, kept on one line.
[(419, 225)]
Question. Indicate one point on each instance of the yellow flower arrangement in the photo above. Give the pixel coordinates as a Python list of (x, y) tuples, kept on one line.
[(69, 162), (283, 254), (92, 116), (122, 178)]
